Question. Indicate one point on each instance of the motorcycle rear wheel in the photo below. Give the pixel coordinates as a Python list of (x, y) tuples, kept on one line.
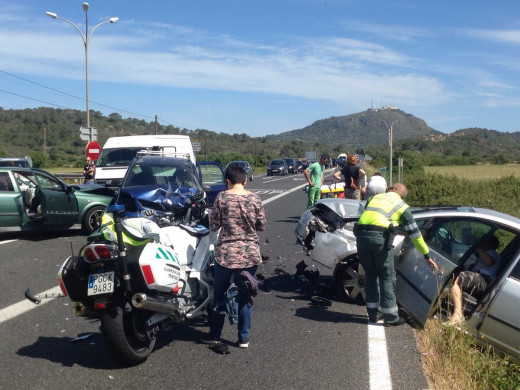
[(125, 336)]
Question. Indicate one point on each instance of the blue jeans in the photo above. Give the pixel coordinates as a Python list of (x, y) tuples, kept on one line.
[(221, 284)]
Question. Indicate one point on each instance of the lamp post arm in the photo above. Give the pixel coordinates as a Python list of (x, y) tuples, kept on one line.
[(76, 27), (91, 31)]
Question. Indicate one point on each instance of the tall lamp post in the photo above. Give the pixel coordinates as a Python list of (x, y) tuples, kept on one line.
[(86, 40)]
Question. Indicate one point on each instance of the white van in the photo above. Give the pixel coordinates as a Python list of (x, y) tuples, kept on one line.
[(118, 152)]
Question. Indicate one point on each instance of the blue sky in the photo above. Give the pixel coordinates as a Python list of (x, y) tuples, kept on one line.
[(266, 66)]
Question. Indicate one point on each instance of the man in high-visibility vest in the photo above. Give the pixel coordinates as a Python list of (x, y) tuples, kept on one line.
[(374, 233)]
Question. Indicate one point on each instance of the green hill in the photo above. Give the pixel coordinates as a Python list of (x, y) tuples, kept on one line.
[(51, 137), (361, 130)]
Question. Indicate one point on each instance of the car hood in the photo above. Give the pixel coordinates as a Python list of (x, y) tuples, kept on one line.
[(95, 189), (170, 200)]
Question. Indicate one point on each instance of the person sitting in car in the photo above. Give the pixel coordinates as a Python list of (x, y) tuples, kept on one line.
[(476, 280)]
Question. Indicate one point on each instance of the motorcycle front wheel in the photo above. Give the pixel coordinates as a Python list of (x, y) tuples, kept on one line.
[(124, 334)]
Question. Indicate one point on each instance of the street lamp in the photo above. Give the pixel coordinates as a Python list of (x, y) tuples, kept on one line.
[(86, 40)]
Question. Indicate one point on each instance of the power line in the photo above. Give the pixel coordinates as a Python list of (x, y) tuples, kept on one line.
[(73, 96), (37, 100)]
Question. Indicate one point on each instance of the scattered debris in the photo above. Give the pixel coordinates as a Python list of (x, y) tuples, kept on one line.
[(265, 258), (220, 348), (280, 271), (80, 338), (321, 301)]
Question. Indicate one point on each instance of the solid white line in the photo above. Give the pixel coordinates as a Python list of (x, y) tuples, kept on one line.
[(379, 369), (26, 305), (6, 242), (283, 194)]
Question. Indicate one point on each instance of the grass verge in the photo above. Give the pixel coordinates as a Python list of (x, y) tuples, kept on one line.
[(452, 361)]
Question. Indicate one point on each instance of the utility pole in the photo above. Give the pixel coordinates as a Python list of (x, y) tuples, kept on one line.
[(390, 136)]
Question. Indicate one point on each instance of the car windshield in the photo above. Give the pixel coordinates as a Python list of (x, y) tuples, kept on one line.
[(277, 162), (163, 176), (14, 163), (117, 157), (241, 163)]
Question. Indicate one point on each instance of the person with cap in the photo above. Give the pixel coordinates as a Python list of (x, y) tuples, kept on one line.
[(314, 176), (374, 236)]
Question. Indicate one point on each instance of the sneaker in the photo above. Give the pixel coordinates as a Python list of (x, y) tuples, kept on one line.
[(243, 343), (400, 321)]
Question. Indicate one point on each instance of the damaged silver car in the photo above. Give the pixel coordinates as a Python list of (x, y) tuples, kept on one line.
[(453, 235)]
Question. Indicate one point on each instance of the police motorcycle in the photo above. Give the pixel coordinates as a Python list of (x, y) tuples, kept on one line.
[(142, 274)]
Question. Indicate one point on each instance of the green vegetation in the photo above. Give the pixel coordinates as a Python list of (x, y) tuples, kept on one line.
[(453, 361), (51, 137)]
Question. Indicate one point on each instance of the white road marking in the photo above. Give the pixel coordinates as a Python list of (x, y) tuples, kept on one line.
[(378, 367), (6, 241), (24, 306)]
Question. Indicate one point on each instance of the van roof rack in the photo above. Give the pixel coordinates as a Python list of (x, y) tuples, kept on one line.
[(162, 153)]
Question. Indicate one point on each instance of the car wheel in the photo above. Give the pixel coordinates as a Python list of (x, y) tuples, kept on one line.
[(92, 219), (349, 281)]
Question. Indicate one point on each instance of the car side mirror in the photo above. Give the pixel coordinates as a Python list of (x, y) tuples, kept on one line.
[(69, 190), (114, 183)]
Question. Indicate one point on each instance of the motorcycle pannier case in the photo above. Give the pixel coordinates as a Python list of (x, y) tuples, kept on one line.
[(160, 267)]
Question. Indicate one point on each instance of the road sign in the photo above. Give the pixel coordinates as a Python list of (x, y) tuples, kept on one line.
[(93, 150), (88, 133), (195, 146)]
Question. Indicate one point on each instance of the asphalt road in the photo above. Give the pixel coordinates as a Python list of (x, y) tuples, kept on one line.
[(294, 344)]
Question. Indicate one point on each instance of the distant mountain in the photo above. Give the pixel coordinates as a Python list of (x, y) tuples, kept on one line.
[(361, 130)]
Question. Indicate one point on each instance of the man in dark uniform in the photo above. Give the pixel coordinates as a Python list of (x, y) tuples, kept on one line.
[(88, 171), (374, 235)]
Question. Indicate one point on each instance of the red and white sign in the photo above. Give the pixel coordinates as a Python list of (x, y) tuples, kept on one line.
[(93, 150)]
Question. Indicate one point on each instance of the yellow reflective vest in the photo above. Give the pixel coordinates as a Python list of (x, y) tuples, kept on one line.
[(388, 209)]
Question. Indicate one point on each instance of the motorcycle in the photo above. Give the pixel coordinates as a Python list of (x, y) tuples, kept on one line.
[(142, 275)]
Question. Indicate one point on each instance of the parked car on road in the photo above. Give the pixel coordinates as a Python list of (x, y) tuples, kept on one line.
[(277, 167), (247, 167), (32, 198), (291, 165), (14, 162), (453, 234)]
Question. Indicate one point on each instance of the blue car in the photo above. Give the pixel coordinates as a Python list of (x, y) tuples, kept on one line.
[(162, 183)]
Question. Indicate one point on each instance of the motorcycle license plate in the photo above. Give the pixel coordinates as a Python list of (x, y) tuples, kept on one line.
[(101, 283)]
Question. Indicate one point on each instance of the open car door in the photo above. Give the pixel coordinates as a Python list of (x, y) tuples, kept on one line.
[(58, 203), (211, 177), (451, 241), (501, 325)]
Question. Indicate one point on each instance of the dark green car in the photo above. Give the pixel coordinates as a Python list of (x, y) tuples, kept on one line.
[(32, 198)]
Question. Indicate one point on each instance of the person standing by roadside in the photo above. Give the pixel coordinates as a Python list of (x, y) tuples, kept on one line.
[(239, 214), (376, 185), (374, 237), (314, 176), (89, 171), (353, 175)]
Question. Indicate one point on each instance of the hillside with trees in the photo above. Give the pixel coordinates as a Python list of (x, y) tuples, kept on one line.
[(51, 137)]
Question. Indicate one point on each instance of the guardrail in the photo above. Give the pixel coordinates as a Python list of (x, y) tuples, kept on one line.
[(71, 177)]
